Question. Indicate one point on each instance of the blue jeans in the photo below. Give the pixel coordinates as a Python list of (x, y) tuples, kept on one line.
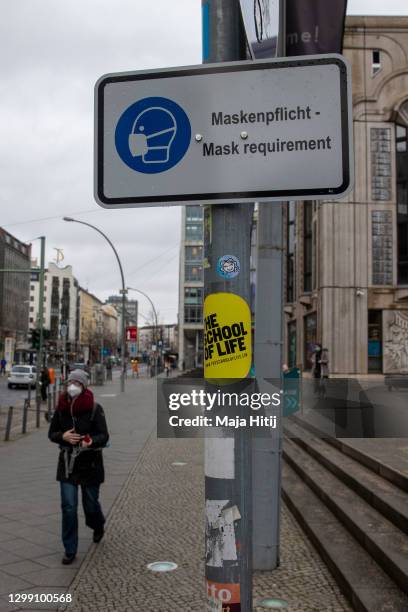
[(69, 504)]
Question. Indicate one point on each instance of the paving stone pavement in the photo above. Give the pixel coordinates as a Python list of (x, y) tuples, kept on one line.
[(30, 516), (155, 513), (159, 516)]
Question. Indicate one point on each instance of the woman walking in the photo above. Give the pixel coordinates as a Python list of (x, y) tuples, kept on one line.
[(79, 427)]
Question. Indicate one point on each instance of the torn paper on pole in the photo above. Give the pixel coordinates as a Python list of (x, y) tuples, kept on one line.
[(221, 541)]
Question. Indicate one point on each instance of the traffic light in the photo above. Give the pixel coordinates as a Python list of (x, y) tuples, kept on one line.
[(35, 339)]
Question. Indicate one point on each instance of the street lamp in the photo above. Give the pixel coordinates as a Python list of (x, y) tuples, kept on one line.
[(155, 325), (123, 292)]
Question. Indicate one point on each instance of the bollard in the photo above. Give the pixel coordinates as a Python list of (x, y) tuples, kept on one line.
[(49, 407), (25, 414), (54, 394), (29, 394), (38, 410), (8, 425)]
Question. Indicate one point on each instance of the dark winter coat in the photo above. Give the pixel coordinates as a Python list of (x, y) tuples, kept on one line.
[(45, 378), (88, 467)]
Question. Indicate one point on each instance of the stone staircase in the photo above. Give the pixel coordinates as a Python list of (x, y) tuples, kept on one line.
[(354, 508)]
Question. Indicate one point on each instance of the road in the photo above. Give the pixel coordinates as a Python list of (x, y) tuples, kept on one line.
[(10, 397)]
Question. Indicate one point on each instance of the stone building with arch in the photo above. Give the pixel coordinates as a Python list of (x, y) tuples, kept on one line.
[(347, 261)]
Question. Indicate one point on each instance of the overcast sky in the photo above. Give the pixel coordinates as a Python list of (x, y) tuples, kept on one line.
[(52, 53)]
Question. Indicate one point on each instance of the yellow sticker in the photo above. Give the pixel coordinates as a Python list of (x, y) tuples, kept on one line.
[(227, 336)]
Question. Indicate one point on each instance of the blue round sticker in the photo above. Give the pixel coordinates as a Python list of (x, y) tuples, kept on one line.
[(152, 135), (228, 266)]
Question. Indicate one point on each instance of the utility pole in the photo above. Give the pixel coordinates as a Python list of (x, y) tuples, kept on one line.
[(40, 319), (64, 354), (123, 334), (267, 451), (227, 460), (102, 349)]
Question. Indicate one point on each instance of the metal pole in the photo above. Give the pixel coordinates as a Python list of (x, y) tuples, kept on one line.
[(155, 324), (49, 405), (123, 348), (8, 424), (54, 395), (40, 364), (267, 452), (64, 357), (228, 460), (25, 414), (41, 304), (123, 292), (101, 330), (37, 412)]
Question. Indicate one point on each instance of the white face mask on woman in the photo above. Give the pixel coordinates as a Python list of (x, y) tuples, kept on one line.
[(74, 390)]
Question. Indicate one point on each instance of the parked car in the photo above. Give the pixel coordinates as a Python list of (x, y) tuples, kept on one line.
[(22, 376)]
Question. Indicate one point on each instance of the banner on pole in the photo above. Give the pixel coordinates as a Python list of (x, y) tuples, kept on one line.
[(314, 26)]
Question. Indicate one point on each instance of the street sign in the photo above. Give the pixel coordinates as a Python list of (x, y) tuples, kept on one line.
[(291, 392), (63, 330), (261, 21), (225, 133), (132, 348)]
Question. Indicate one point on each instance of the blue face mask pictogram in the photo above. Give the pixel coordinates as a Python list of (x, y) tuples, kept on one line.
[(152, 135)]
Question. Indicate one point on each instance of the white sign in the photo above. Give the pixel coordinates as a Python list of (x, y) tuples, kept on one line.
[(261, 21), (227, 133)]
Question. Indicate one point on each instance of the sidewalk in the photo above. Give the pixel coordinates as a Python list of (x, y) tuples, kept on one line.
[(156, 513), (30, 517), (159, 515)]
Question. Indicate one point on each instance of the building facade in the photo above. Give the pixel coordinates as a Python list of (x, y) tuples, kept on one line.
[(347, 261), (191, 288), (132, 312), (90, 326), (14, 297), (110, 329), (164, 339), (61, 309), (166, 334)]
